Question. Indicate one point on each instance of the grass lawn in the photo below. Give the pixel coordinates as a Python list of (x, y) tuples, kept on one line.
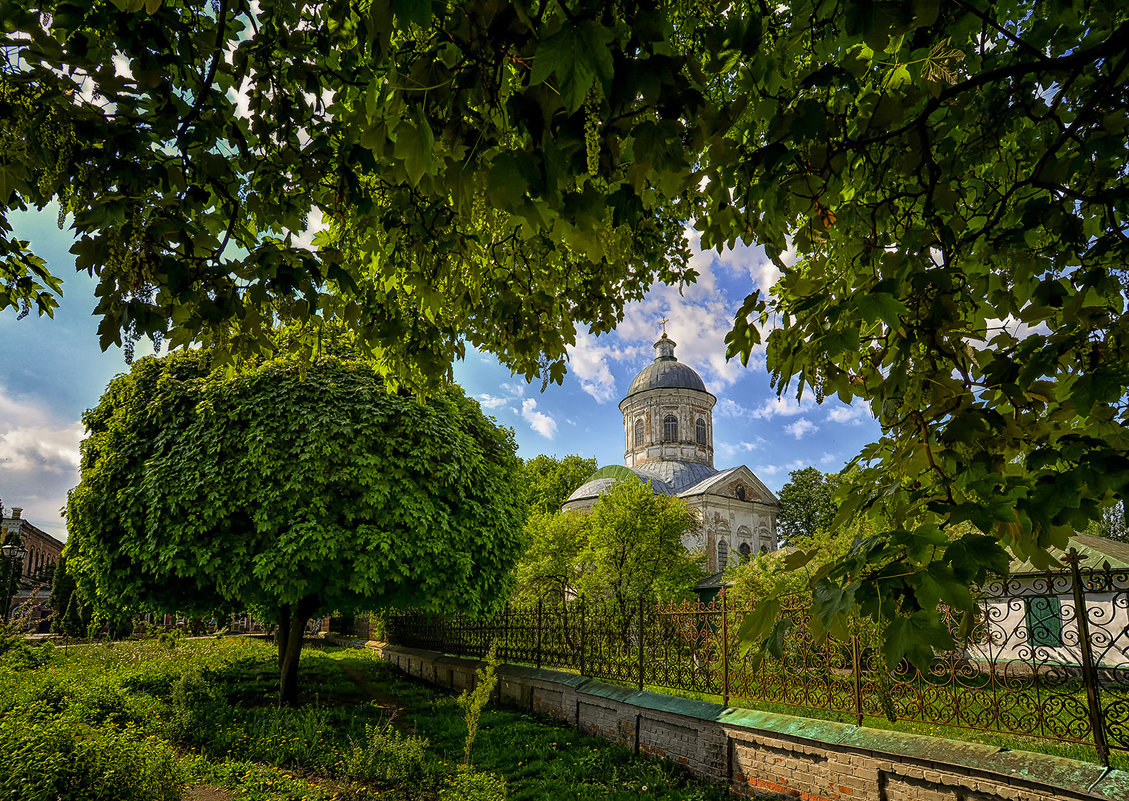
[(196, 720)]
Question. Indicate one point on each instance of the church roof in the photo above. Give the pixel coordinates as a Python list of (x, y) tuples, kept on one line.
[(606, 477), (666, 372), (679, 475), (666, 375)]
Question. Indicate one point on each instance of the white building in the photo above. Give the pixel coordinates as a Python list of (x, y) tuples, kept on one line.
[(668, 442)]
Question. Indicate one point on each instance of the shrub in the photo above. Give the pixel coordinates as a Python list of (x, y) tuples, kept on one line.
[(58, 760), (386, 755), (472, 701), (470, 785)]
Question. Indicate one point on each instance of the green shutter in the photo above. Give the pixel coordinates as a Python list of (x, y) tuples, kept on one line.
[(1044, 621)]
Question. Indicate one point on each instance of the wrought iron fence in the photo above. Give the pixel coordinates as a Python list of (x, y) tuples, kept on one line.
[(1048, 656)]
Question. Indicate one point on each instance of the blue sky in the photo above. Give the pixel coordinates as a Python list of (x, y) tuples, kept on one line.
[(51, 370)]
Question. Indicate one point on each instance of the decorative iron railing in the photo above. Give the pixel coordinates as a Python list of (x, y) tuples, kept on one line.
[(1048, 656)]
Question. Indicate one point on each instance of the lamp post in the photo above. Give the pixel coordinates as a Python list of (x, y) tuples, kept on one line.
[(14, 557)]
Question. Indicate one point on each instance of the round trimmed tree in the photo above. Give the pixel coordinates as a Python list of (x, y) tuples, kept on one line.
[(291, 490)]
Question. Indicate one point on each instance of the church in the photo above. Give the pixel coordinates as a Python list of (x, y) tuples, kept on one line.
[(668, 443)]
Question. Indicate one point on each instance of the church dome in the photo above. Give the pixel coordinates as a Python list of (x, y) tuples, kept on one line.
[(665, 372)]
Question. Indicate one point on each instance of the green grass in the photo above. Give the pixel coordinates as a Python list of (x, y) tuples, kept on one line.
[(203, 713)]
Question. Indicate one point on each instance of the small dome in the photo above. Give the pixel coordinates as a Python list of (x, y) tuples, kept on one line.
[(666, 375), (666, 372)]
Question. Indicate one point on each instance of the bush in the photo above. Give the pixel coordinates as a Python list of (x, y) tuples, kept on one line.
[(58, 760), (387, 756), (470, 785)]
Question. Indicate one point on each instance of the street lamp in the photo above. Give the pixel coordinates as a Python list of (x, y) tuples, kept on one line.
[(14, 556)]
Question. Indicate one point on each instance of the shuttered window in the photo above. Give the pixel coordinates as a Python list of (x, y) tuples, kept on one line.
[(1044, 621)]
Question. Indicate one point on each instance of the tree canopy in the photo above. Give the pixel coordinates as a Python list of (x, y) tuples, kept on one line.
[(628, 545), (807, 505), (549, 480), (291, 490), (951, 176)]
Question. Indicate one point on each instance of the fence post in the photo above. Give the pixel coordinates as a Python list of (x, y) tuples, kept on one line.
[(583, 634), (724, 650), (641, 652), (539, 603), (1089, 671), (856, 677), (503, 653)]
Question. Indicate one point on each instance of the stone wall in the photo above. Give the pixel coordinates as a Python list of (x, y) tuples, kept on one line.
[(765, 755)]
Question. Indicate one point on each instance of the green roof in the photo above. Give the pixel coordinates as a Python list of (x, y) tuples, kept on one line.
[(1092, 552), (616, 471)]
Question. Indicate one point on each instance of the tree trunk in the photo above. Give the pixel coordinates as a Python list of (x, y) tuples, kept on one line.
[(290, 649)]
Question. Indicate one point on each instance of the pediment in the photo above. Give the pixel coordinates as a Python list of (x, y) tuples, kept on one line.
[(722, 484)]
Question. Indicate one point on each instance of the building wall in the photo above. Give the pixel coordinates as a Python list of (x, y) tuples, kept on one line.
[(43, 549), (769, 755), (652, 407)]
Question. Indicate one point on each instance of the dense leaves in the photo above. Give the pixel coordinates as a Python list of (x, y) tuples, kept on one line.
[(628, 545), (294, 491), (549, 480), (951, 176), (489, 173), (807, 505)]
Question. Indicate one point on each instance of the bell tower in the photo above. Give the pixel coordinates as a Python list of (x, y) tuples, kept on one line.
[(667, 414)]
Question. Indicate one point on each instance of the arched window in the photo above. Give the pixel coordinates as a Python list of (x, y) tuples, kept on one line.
[(670, 428), (764, 549), (638, 432), (701, 431), (746, 551), (722, 555), (740, 492)]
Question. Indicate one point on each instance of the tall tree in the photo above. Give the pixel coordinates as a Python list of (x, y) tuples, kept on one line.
[(951, 175), (66, 603), (551, 566), (292, 490), (629, 544), (1112, 525), (551, 480), (807, 505)]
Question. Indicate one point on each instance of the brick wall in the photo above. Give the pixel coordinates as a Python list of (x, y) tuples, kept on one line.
[(766, 755)]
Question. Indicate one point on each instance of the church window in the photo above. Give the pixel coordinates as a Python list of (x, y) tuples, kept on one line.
[(722, 555), (740, 492), (670, 428), (746, 551), (638, 433), (701, 429)]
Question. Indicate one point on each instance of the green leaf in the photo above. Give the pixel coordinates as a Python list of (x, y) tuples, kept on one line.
[(414, 145), (577, 55), (875, 306), (758, 625), (916, 638), (411, 11)]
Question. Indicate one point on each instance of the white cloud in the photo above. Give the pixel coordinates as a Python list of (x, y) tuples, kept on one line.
[(827, 458), (783, 407), (588, 361), (31, 440), (727, 407), (539, 421), (727, 450), (849, 415), (491, 401), (801, 428), (39, 460), (507, 393)]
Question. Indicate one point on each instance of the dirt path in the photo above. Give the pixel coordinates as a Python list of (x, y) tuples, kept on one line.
[(386, 702)]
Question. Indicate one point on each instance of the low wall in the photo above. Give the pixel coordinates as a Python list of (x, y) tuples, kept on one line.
[(779, 756)]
